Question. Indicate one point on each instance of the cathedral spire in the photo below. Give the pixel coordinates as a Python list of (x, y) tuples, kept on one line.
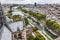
[(18, 29)]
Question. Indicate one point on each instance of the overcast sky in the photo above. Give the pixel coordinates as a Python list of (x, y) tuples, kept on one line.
[(31, 1)]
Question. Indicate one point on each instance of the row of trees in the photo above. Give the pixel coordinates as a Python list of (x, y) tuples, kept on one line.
[(31, 37), (38, 37), (52, 24), (37, 15), (37, 34), (34, 29), (26, 21)]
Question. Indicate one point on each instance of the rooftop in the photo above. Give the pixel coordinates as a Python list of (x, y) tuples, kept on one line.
[(6, 34), (15, 25)]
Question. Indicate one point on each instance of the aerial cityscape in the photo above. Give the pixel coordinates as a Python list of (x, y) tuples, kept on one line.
[(29, 21)]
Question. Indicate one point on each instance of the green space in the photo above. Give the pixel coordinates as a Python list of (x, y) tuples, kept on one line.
[(39, 36), (16, 18), (31, 37), (33, 19), (34, 29), (35, 14), (26, 21), (53, 24)]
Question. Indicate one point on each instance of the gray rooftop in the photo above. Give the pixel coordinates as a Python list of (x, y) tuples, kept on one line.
[(5, 34), (15, 25)]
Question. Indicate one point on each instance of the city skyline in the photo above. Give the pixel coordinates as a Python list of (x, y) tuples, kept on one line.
[(30, 2)]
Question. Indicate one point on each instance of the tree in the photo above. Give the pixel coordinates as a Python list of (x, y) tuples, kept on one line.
[(31, 37), (26, 21), (34, 29), (16, 18)]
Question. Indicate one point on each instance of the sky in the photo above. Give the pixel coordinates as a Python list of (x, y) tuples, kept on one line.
[(30, 1)]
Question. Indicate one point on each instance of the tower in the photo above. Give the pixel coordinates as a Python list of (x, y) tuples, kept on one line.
[(1, 21), (35, 4), (1, 17)]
